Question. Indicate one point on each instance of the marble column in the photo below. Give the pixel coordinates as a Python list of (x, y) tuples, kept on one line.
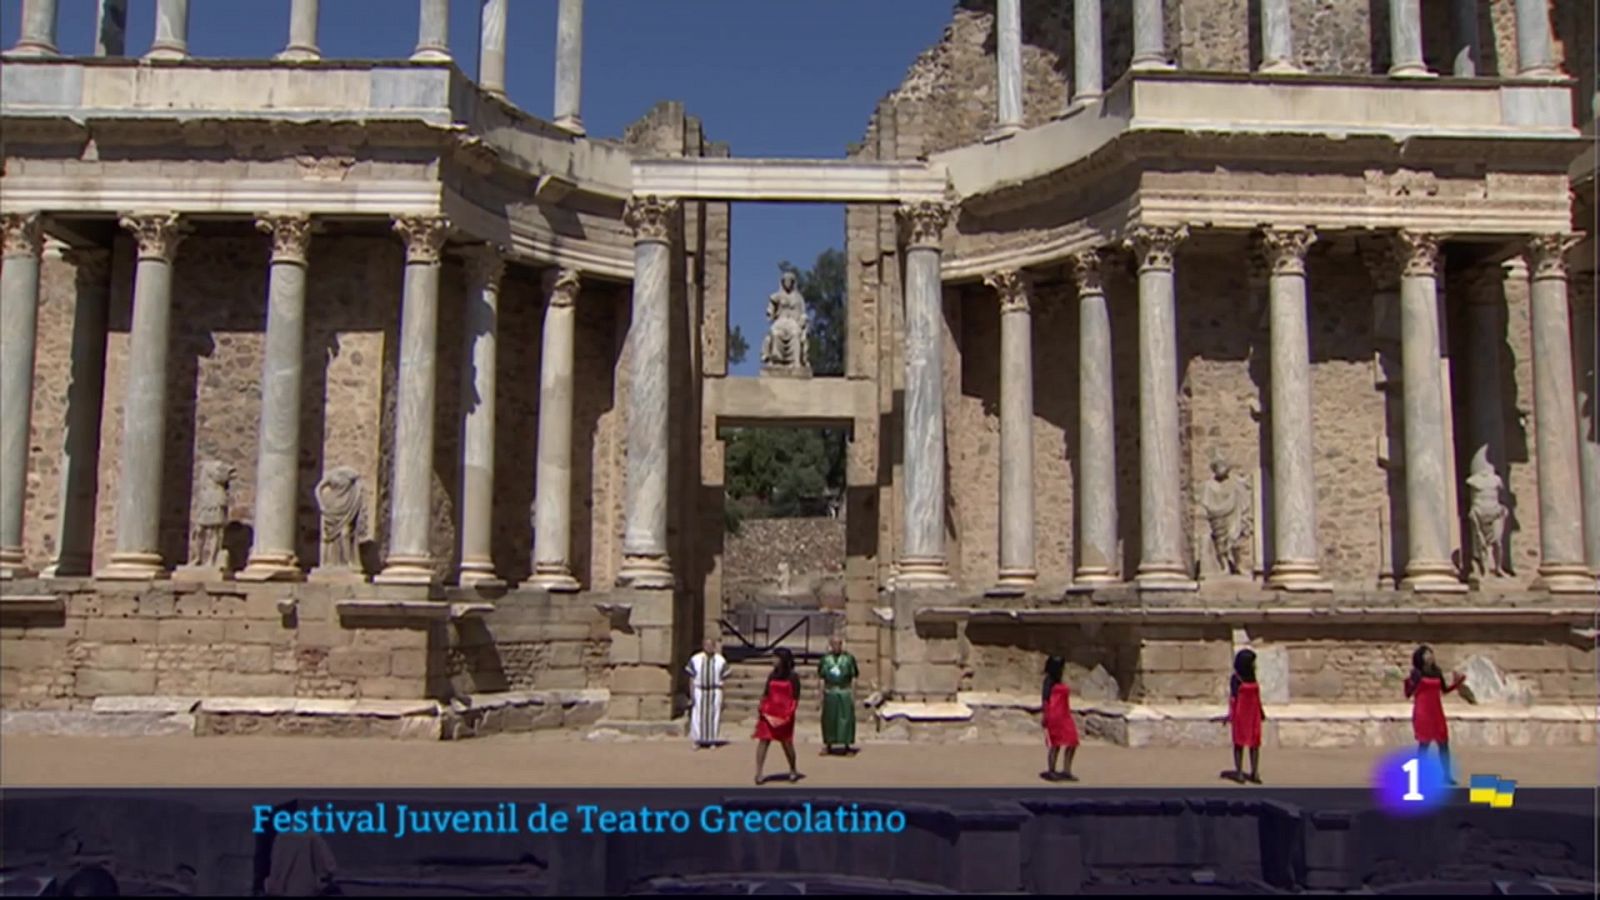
[(1017, 573), (1161, 561), (19, 318), (492, 48), (1562, 567), (645, 560), (1098, 563), (410, 560), (172, 30), (485, 268), (80, 445), (1296, 551), (1088, 62), (1149, 36), (1535, 53), (137, 556), (302, 31), (37, 36), (277, 499), (433, 31), (1464, 26), (1428, 508), (1277, 37), (1405, 40), (922, 551), (569, 66), (1008, 53), (1585, 325), (110, 27), (552, 503)]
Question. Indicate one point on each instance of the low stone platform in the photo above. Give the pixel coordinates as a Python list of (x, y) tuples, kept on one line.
[(1004, 718), (476, 716)]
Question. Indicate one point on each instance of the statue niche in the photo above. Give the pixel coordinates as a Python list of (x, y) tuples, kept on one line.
[(787, 347)]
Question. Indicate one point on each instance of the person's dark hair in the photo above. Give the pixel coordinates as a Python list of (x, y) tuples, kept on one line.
[(782, 665), (90, 882), (1420, 666), (1244, 665), (1054, 671)]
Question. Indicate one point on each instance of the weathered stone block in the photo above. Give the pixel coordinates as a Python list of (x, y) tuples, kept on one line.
[(391, 688), (1182, 686), (1326, 684), (1580, 659), (1211, 656), (1530, 658), (121, 631), (557, 679), (925, 680), (655, 646), (640, 680), (249, 684), (624, 648), (98, 682), (650, 608), (33, 654), (1161, 657), (189, 631), (655, 708), (564, 655), (253, 659), (408, 663), (255, 631), (624, 706), (1307, 659), (388, 638), (195, 605), (350, 662), (322, 634), (129, 657)]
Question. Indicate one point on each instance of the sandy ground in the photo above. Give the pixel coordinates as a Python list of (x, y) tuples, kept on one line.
[(560, 761)]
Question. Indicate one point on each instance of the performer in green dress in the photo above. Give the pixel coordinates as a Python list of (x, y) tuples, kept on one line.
[(838, 697)]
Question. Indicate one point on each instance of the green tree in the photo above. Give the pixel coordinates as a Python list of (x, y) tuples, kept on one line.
[(791, 472)]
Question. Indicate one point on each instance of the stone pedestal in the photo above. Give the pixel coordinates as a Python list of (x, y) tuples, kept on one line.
[(642, 676), (144, 407)]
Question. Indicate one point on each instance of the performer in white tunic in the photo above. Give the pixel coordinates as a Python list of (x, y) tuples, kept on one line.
[(706, 669)]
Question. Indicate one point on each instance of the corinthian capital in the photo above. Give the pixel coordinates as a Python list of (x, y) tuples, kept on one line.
[(1419, 254), (1285, 249), (1154, 246), (424, 236), (650, 217), (486, 265), (291, 236), (23, 236), (158, 234), (1013, 287), (561, 285), (924, 222), (1086, 272), (1548, 253)]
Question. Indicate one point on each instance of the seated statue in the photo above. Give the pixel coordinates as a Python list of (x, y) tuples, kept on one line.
[(786, 348)]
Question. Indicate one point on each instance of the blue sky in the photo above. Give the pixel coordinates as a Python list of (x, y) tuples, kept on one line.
[(771, 77)]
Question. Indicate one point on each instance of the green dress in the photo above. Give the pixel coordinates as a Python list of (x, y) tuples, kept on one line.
[(838, 700)]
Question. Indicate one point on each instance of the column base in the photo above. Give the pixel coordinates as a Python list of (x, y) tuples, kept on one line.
[(1565, 578), (201, 574), (554, 578), (70, 567), (429, 54), (1164, 577), (923, 572), (1089, 579), (299, 54), (133, 567), (1412, 70), (1543, 73), (33, 48), (572, 125), (1151, 64), (1001, 133), (653, 573), (479, 574), (158, 51), (1297, 577), (1281, 67), (271, 567), (11, 564), (1013, 583), (1432, 578), (406, 570), (1077, 104)]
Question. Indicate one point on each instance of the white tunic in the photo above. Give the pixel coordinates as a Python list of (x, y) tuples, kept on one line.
[(705, 696)]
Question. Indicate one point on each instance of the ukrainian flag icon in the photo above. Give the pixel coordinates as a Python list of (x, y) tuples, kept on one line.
[(1491, 791)]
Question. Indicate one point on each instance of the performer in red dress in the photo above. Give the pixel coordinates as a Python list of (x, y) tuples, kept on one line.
[(1245, 715), (1060, 732), (778, 706), (1426, 688)]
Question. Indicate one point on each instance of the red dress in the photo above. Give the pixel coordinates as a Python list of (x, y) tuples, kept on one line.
[(1427, 711), (777, 706), (1059, 729), (1244, 714)]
